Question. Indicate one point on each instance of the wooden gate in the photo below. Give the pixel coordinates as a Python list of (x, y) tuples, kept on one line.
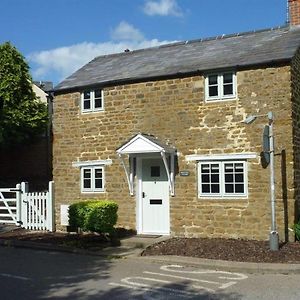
[(37, 208), (10, 201), (33, 211)]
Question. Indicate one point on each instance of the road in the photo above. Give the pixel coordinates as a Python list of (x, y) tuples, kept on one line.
[(32, 274)]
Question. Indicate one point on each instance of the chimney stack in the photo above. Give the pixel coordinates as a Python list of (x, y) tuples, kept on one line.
[(294, 10)]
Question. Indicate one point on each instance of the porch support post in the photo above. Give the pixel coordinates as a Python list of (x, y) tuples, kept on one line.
[(172, 174), (163, 155), (129, 177), (131, 168)]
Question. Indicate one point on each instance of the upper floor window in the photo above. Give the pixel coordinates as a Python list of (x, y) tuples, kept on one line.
[(220, 86), (92, 100)]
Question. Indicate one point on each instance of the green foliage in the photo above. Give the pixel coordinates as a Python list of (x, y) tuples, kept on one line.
[(297, 230), (96, 216), (22, 116)]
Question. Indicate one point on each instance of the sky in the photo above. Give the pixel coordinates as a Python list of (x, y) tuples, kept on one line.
[(57, 37)]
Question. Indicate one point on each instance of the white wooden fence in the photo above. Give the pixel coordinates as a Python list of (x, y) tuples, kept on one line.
[(33, 211)]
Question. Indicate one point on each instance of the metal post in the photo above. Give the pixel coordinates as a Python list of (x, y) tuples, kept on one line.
[(274, 238)]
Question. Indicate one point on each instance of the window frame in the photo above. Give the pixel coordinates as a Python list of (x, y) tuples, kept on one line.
[(92, 189), (92, 101), (220, 87), (222, 194)]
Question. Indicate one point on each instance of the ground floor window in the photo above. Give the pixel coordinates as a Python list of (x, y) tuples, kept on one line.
[(220, 179), (92, 179)]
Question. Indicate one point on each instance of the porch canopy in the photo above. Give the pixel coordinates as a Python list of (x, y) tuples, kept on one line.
[(142, 144)]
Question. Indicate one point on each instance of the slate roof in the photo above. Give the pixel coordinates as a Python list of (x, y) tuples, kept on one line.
[(46, 86), (239, 50)]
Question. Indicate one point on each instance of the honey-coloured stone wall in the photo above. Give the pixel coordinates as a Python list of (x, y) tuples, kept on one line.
[(175, 111)]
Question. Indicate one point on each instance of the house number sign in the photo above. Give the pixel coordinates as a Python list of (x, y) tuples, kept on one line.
[(184, 173)]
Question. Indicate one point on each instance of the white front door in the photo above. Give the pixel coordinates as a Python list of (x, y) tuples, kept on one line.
[(154, 197)]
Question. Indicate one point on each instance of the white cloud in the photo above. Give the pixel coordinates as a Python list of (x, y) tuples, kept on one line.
[(162, 8), (125, 31), (56, 64)]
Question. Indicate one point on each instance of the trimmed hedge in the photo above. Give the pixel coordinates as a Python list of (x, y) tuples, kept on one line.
[(96, 216)]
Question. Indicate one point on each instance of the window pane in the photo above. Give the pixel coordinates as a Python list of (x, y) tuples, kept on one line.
[(205, 188), (212, 79), (98, 173), (215, 188), (98, 94), (239, 177), (204, 168), (239, 167), (215, 168), (239, 188), (228, 89), (86, 104), (228, 178), (228, 168), (205, 178), (98, 103), (215, 178), (229, 188), (87, 95), (87, 173), (98, 183), (87, 178), (87, 183), (155, 171), (213, 91), (228, 78)]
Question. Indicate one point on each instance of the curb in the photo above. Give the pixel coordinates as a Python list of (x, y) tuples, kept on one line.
[(230, 266), (50, 247)]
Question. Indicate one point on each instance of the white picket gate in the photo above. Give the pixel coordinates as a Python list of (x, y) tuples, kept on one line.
[(37, 208), (33, 211), (10, 205)]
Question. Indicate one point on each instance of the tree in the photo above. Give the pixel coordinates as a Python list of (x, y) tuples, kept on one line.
[(22, 116)]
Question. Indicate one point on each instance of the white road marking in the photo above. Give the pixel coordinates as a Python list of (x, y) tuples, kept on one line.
[(147, 284), (226, 285), (129, 286), (239, 276), (127, 280), (147, 287), (14, 276), (187, 278)]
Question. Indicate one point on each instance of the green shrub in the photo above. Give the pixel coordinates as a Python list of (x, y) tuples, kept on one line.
[(96, 216), (297, 230)]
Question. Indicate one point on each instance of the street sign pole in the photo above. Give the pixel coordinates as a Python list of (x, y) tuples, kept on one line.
[(274, 238)]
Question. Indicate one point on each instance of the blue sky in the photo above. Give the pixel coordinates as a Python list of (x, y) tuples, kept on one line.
[(59, 36)]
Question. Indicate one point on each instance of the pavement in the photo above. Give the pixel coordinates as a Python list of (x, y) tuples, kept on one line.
[(132, 247)]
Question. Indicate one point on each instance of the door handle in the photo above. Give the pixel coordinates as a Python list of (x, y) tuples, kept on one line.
[(143, 195)]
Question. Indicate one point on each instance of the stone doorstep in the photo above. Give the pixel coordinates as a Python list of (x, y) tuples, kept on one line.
[(142, 241)]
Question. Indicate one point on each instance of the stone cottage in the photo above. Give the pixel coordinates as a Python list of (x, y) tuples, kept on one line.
[(161, 131)]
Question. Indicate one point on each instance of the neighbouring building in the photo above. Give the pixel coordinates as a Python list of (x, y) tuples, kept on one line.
[(161, 131), (30, 162)]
